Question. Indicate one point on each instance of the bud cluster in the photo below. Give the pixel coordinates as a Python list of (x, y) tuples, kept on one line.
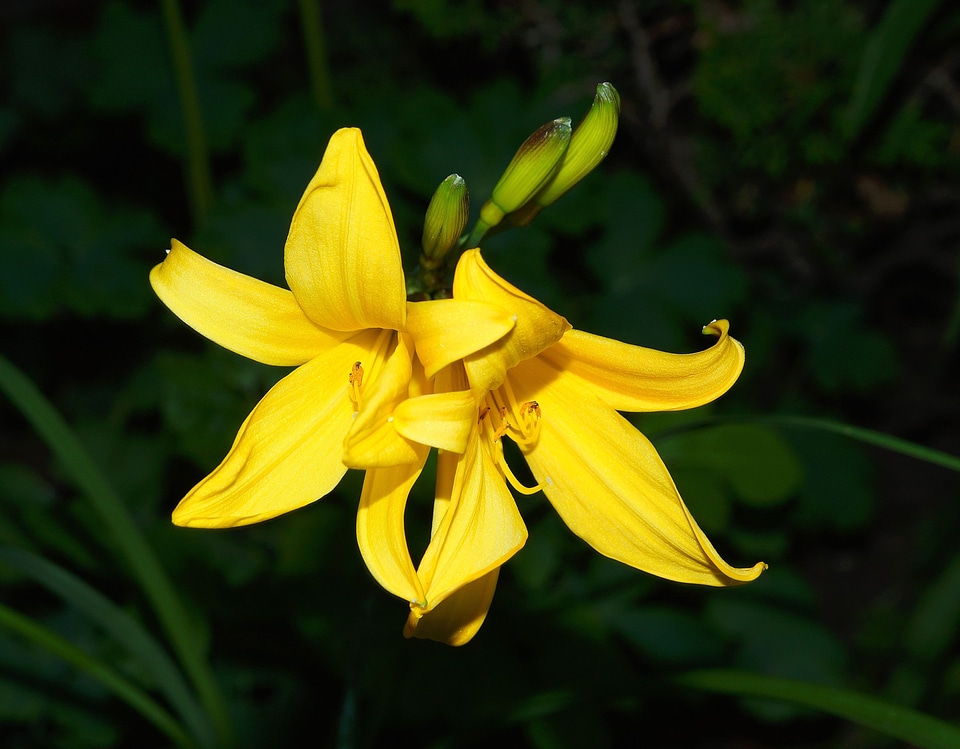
[(545, 167)]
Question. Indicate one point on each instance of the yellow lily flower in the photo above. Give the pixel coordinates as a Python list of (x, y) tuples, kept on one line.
[(556, 392), (358, 398)]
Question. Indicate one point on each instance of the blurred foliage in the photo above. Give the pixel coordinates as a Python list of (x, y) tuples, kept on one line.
[(762, 173)]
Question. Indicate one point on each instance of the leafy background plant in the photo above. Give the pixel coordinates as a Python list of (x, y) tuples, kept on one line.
[(791, 166)]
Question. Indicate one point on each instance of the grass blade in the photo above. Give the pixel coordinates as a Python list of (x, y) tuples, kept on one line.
[(883, 56), (868, 436), (122, 627), (130, 543), (113, 681), (899, 722)]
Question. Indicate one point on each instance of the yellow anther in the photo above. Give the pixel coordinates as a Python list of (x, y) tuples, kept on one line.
[(483, 414), (356, 374), (355, 378)]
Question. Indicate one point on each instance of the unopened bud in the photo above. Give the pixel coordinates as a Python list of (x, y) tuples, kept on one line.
[(531, 168), (445, 220), (589, 145)]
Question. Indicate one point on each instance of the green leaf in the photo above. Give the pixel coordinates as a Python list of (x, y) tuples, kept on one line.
[(814, 653), (39, 520), (870, 437), (845, 355), (902, 723), (665, 635), (882, 59), (838, 483), (122, 627), (705, 494), (936, 621), (134, 551), (66, 250), (930, 631), (120, 686), (753, 460), (234, 33)]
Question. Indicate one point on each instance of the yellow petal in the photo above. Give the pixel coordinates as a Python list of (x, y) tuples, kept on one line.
[(632, 378), (446, 330), (609, 485), (456, 620), (289, 450), (536, 327), (481, 527), (440, 420), (253, 318), (342, 255), (450, 379), (447, 465), (380, 528)]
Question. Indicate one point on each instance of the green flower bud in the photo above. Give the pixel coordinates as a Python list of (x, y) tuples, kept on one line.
[(589, 145), (446, 218), (532, 166)]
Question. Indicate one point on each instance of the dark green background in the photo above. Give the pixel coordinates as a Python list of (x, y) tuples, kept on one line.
[(757, 176)]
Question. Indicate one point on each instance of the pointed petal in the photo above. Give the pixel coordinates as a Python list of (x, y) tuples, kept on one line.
[(536, 328), (458, 618), (447, 464), (610, 486), (380, 528), (289, 450), (342, 255), (255, 319), (446, 330), (440, 420), (480, 530), (632, 378)]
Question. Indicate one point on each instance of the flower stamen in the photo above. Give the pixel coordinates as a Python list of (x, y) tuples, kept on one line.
[(355, 378), (501, 462), (519, 434), (504, 425)]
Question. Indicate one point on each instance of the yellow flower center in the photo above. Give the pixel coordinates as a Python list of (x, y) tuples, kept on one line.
[(501, 415)]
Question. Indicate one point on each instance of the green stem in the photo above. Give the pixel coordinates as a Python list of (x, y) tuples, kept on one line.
[(135, 553), (113, 681), (869, 436), (314, 40), (198, 164), (477, 234), (902, 723)]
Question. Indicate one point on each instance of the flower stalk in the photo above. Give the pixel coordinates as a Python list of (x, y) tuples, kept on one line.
[(200, 181)]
